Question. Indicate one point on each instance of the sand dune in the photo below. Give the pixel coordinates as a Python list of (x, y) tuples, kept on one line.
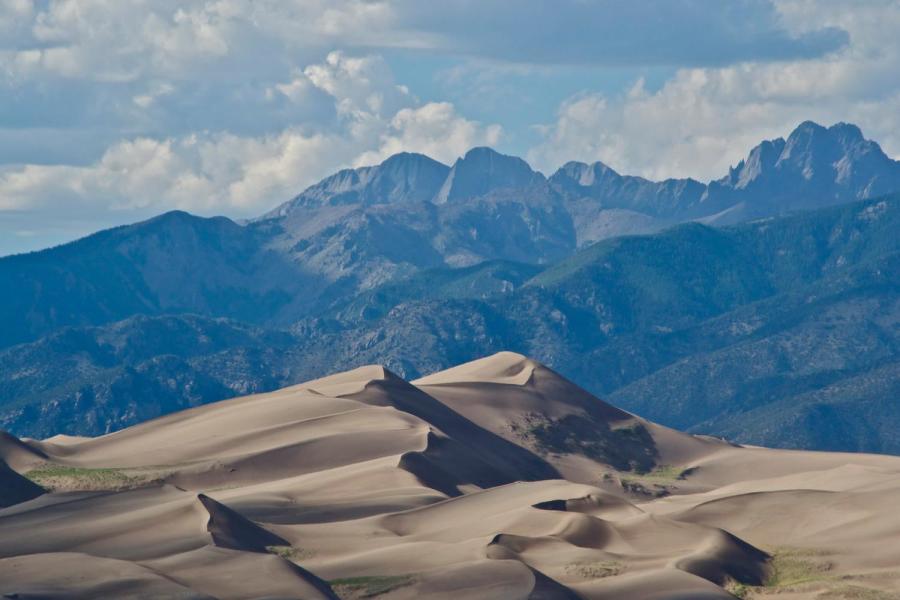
[(495, 479), (14, 488), (528, 404)]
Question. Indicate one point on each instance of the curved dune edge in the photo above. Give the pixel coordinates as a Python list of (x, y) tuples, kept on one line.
[(505, 368), (14, 488), (495, 479)]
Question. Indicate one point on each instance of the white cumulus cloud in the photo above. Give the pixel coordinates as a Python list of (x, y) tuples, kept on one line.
[(703, 120), (215, 172), (435, 129)]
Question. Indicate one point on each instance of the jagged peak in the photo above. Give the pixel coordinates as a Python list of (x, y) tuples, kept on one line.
[(482, 170), (810, 150), (848, 130), (405, 176), (482, 152), (573, 166), (585, 174), (807, 127), (402, 161), (839, 134), (486, 158), (408, 157), (395, 162)]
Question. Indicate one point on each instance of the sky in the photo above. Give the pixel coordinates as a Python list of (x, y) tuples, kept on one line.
[(112, 111)]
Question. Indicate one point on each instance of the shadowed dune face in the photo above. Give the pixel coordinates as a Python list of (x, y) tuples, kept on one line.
[(14, 488), (495, 479)]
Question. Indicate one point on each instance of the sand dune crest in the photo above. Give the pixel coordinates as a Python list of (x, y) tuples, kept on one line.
[(495, 479)]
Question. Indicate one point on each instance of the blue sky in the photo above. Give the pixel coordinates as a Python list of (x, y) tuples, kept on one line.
[(114, 111)]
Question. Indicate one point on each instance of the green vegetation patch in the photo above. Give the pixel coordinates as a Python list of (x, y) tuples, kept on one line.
[(654, 483), (856, 592), (666, 473), (291, 553), (61, 478), (798, 568), (791, 566), (624, 448), (659, 474), (369, 586), (738, 589), (595, 570)]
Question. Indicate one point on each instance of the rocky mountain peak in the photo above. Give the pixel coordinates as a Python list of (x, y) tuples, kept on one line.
[(483, 170), (815, 166), (815, 154), (403, 177), (584, 174)]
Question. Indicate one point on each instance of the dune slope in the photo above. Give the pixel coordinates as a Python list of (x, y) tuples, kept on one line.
[(495, 479)]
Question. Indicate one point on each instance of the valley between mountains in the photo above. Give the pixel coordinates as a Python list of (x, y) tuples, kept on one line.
[(496, 478)]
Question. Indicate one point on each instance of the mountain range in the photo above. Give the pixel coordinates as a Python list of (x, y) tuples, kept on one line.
[(762, 306)]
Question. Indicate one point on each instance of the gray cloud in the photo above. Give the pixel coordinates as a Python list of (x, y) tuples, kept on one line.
[(169, 67), (611, 32)]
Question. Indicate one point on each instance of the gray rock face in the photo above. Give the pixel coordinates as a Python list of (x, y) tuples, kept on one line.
[(814, 167), (483, 171), (361, 228), (598, 182), (404, 177)]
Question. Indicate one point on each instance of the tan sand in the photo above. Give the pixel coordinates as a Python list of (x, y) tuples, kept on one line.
[(495, 479)]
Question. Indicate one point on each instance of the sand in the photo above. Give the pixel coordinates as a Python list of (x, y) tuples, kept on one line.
[(495, 479)]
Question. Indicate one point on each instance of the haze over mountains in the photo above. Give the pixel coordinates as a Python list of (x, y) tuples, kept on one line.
[(757, 331)]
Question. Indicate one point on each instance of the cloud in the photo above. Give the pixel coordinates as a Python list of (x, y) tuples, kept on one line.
[(15, 17), (357, 83), (703, 120), (215, 172), (233, 105), (148, 98), (110, 40), (166, 68), (131, 175), (435, 130), (114, 41), (610, 32), (106, 40)]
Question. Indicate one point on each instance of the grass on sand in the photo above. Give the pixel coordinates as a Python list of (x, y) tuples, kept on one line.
[(61, 478), (795, 569), (369, 586), (290, 553), (595, 570)]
